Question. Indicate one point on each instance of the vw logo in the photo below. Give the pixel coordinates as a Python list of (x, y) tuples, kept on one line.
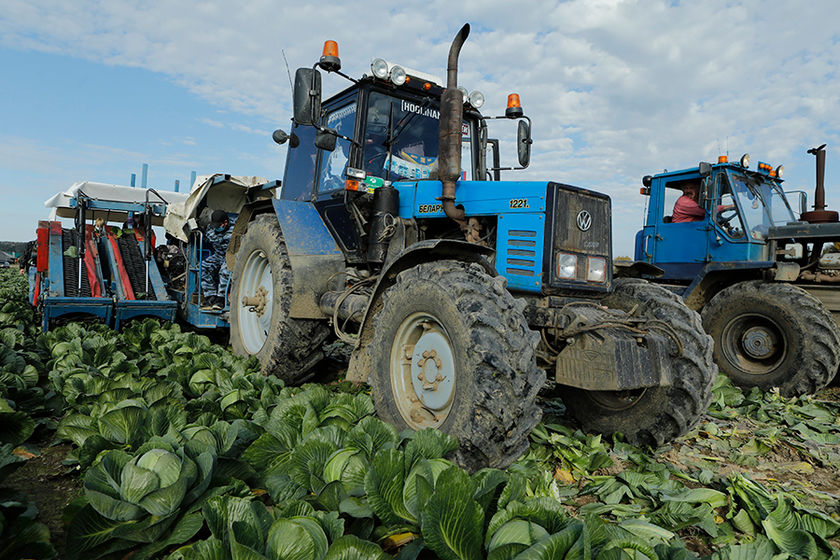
[(584, 220)]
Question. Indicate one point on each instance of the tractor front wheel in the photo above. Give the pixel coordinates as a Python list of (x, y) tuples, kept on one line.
[(653, 415), (773, 335), (260, 299), (451, 350)]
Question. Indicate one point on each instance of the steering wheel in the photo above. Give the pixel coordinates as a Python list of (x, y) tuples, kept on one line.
[(376, 162), (726, 216)]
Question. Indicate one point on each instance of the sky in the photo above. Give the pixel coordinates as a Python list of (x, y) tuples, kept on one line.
[(616, 89)]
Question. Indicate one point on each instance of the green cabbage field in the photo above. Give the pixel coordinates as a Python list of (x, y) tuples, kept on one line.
[(156, 443)]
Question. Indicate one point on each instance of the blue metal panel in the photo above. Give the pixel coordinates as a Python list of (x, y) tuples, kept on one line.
[(726, 267), (131, 309), (680, 271), (56, 265), (682, 242), (93, 204), (303, 229), (204, 318), (479, 198), (723, 249), (59, 306), (518, 236)]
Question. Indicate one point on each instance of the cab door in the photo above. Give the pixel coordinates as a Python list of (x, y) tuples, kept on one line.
[(330, 176), (679, 248)]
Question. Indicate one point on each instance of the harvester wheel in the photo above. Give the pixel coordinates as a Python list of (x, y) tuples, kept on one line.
[(451, 350), (260, 298), (654, 415), (773, 335)]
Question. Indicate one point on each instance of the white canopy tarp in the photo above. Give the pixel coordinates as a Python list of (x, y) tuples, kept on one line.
[(61, 208), (227, 194)]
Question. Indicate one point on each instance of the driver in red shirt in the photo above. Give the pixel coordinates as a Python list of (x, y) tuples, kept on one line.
[(686, 209)]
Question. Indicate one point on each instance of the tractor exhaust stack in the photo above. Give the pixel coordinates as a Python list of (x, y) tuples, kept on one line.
[(449, 136), (819, 215)]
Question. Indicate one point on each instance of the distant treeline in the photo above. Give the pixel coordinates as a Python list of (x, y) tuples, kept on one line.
[(13, 247)]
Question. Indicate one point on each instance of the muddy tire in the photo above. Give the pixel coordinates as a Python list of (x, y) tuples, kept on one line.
[(288, 348), (654, 415), (452, 318), (773, 335)]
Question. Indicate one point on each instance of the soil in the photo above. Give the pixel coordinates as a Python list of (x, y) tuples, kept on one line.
[(49, 484)]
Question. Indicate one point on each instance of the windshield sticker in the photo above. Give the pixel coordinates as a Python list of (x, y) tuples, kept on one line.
[(430, 112), (340, 114), (411, 166)]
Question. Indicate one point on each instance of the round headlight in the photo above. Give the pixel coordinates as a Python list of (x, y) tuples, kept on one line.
[(379, 68), (780, 171), (464, 92), (745, 161), (397, 75), (477, 99)]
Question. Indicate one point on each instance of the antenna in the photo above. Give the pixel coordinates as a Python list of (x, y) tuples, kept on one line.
[(288, 72)]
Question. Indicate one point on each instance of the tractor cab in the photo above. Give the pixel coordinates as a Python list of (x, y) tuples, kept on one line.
[(385, 131), (381, 132), (711, 214)]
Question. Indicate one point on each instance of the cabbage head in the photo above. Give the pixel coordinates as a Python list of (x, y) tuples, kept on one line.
[(156, 482)]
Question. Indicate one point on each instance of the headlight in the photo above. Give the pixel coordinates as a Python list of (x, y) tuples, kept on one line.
[(596, 269), (780, 171), (477, 99), (745, 161), (379, 68), (566, 266), (397, 75), (465, 93)]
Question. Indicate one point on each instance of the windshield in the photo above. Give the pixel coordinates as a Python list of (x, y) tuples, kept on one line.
[(414, 149), (762, 204)]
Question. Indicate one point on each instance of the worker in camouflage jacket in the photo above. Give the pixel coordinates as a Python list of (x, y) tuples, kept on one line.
[(215, 275)]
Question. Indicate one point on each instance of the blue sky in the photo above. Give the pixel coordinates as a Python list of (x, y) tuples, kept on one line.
[(616, 88), (67, 120)]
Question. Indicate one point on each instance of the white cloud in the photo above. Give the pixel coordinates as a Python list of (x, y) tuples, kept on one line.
[(617, 89)]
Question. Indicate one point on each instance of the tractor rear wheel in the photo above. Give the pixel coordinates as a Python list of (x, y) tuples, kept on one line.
[(451, 350), (654, 415), (260, 299), (773, 335)]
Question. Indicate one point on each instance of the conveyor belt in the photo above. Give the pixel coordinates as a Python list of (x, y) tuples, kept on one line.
[(135, 265), (71, 268)]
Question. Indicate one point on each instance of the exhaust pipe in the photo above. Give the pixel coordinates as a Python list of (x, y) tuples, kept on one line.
[(819, 215), (449, 134)]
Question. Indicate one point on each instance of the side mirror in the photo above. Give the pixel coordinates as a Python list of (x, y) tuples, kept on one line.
[(705, 168), (280, 136), (307, 96), (523, 143), (325, 139)]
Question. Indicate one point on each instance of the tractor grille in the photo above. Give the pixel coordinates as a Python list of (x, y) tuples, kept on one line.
[(581, 227), (521, 255)]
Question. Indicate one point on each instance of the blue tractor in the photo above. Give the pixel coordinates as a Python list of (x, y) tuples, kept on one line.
[(729, 241), (456, 289)]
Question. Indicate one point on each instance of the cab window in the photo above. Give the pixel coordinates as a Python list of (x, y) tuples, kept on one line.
[(414, 127), (682, 201), (333, 164), (727, 215)]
